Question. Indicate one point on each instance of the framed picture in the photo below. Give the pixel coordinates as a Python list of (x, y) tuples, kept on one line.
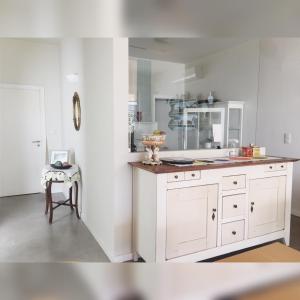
[(59, 155)]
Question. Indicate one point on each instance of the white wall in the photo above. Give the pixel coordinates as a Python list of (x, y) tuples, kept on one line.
[(35, 62), (233, 75), (100, 147), (72, 63), (91, 59), (122, 171), (279, 105), (98, 82), (164, 75)]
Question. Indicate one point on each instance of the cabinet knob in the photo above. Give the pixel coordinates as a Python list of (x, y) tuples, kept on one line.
[(176, 176), (234, 206), (193, 175), (235, 182), (234, 232), (270, 167)]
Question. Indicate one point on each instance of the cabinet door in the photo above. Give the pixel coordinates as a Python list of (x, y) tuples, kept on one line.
[(191, 220), (267, 205)]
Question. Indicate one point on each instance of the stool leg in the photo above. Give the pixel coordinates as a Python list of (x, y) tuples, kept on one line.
[(70, 197), (50, 203), (47, 200), (76, 200)]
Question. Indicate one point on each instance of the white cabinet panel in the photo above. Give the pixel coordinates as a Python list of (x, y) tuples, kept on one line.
[(234, 182), (172, 177), (281, 167), (191, 220), (232, 232), (267, 205), (192, 175), (233, 206)]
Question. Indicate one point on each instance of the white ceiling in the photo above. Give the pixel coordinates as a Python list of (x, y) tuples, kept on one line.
[(181, 50)]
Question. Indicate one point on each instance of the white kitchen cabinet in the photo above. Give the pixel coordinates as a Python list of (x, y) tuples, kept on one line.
[(198, 231), (267, 205), (183, 218)]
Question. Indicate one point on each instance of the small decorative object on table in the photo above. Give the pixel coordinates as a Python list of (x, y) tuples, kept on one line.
[(61, 166), (59, 155), (152, 142)]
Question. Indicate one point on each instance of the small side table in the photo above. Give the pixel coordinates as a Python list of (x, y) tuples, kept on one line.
[(69, 177)]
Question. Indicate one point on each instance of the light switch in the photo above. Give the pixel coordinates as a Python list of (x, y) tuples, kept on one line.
[(287, 138)]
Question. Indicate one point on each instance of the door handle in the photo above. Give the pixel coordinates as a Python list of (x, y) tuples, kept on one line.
[(213, 215)]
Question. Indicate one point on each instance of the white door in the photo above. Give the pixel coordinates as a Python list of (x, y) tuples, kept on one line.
[(191, 220), (267, 205), (22, 139)]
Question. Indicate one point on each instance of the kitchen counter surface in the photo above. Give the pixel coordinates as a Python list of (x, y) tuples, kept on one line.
[(165, 168)]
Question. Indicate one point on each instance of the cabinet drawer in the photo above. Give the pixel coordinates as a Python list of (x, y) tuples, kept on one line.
[(233, 206), (271, 167), (234, 182), (281, 167), (175, 176), (191, 175), (232, 232)]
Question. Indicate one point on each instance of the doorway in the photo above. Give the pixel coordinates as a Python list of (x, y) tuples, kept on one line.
[(22, 139)]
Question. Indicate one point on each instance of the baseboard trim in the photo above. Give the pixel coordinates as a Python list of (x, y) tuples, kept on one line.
[(122, 258)]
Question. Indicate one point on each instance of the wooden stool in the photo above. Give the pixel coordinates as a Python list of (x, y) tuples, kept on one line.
[(52, 205)]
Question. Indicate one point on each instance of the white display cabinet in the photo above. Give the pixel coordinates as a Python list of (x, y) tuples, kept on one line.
[(212, 125)]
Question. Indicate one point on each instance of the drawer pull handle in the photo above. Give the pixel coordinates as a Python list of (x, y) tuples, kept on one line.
[(235, 182), (234, 206), (234, 232), (176, 176)]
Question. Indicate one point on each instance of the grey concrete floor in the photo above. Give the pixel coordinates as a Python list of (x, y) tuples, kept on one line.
[(26, 236)]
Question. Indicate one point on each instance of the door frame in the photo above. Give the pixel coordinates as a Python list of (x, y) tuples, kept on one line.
[(41, 91)]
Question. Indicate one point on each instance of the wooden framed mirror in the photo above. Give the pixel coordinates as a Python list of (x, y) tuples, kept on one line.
[(76, 111)]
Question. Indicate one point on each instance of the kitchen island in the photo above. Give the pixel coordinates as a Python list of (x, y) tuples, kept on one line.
[(195, 212)]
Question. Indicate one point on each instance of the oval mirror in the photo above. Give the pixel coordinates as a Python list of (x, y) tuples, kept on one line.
[(76, 111)]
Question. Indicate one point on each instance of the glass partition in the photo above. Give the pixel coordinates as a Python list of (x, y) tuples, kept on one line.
[(165, 94)]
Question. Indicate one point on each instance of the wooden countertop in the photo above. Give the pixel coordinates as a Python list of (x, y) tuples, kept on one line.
[(172, 169)]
